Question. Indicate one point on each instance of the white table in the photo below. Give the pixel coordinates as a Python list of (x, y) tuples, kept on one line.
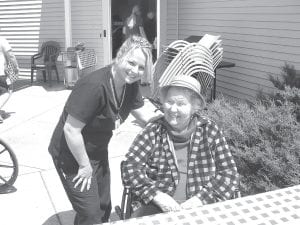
[(275, 207)]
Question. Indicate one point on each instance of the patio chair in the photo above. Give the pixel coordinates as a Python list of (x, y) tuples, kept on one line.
[(45, 60)]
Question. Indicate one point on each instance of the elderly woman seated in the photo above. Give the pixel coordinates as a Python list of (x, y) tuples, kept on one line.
[(181, 160)]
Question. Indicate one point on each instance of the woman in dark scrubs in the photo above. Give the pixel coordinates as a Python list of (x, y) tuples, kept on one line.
[(97, 105)]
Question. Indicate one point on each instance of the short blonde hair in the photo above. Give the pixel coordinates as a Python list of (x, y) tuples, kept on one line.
[(132, 43)]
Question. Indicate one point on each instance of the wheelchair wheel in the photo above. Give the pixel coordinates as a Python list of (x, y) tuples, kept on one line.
[(9, 168)]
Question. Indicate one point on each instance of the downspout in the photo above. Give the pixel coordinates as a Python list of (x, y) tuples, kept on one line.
[(177, 19), (68, 24), (158, 36), (68, 34)]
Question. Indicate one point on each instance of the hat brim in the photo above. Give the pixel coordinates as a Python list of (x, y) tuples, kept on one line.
[(164, 88)]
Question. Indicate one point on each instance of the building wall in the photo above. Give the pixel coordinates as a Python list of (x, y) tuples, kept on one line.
[(259, 36), (172, 20), (27, 24)]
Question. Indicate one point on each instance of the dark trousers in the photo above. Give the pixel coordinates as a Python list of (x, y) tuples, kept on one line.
[(3, 85), (92, 206)]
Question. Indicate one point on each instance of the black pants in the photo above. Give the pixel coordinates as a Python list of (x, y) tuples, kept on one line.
[(92, 206), (3, 85)]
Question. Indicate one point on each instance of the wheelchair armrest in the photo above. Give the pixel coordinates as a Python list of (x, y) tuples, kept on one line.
[(125, 211)]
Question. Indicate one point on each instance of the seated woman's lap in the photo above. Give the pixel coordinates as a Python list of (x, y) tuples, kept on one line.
[(146, 210)]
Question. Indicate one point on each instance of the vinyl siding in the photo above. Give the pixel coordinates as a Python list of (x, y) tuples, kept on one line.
[(87, 25), (259, 36), (172, 21), (27, 24)]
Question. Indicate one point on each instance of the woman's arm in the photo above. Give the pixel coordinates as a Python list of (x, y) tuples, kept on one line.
[(134, 167), (74, 139)]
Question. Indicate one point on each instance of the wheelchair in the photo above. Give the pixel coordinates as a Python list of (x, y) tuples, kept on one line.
[(126, 209), (124, 212), (9, 168)]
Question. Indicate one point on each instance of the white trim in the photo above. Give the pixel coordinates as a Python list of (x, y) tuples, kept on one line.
[(161, 25), (158, 18), (68, 24), (177, 20), (106, 26)]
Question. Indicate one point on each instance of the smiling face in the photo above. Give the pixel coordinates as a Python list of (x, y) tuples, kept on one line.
[(132, 67), (178, 108)]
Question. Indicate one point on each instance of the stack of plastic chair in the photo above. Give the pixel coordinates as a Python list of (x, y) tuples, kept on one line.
[(197, 59)]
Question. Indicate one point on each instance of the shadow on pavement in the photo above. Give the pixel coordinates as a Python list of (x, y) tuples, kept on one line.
[(67, 218), (21, 84), (25, 83), (61, 218)]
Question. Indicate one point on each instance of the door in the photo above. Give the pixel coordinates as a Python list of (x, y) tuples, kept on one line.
[(161, 25), (105, 35), (115, 13)]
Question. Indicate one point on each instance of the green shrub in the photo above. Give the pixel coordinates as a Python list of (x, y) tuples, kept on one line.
[(288, 89), (289, 77), (264, 138)]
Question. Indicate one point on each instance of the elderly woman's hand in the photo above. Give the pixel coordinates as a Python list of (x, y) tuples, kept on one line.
[(166, 202), (192, 202)]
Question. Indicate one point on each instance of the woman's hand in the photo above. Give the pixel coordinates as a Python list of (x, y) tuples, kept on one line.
[(166, 202), (192, 202), (83, 177), (74, 139)]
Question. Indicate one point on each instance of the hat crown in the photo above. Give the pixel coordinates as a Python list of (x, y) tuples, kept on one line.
[(187, 82)]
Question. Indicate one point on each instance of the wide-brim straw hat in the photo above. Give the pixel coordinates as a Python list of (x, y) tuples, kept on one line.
[(188, 82)]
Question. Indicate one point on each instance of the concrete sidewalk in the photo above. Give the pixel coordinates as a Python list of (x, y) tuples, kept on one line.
[(40, 198)]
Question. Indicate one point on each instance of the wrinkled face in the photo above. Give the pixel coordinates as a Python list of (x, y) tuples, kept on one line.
[(177, 108), (132, 67)]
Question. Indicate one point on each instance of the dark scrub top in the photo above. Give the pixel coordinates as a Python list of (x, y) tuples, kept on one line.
[(92, 102)]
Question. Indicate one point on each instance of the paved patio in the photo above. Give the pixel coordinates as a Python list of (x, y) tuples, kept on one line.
[(40, 198)]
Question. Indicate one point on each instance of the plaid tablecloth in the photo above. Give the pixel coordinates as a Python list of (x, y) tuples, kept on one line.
[(275, 207)]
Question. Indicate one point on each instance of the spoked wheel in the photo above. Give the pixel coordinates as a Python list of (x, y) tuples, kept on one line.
[(8, 168)]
